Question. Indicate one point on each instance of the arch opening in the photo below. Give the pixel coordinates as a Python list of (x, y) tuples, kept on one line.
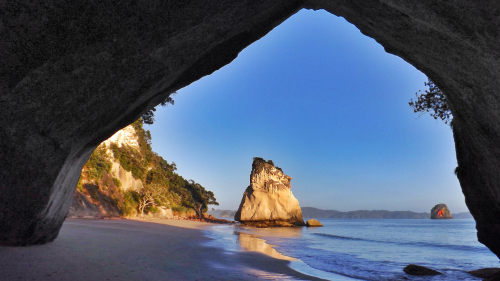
[(238, 97)]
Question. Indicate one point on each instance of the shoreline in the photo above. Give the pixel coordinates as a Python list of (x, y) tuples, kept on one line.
[(143, 249)]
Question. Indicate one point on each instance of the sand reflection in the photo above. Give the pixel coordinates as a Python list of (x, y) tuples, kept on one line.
[(251, 243)]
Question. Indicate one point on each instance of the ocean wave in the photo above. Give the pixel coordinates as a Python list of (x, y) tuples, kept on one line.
[(417, 244)]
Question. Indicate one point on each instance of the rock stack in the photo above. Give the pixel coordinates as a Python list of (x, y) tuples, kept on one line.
[(440, 211), (268, 200)]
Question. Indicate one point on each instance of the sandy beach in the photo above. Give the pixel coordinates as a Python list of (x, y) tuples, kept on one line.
[(138, 250)]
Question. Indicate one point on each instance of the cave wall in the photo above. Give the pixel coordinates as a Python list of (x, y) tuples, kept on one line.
[(72, 74), (75, 72)]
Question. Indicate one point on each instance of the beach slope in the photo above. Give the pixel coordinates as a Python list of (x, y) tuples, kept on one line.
[(137, 250)]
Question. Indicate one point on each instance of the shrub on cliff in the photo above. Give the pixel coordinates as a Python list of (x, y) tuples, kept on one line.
[(432, 99), (98, 163), (117, 182), (149, 116)]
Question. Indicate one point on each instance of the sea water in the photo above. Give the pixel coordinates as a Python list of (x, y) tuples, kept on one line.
[(373, 249)]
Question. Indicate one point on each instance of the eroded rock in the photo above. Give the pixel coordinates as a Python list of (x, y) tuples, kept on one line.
[(418, 270), (313, 222), (440, 211), (489, 272), (268, 200)]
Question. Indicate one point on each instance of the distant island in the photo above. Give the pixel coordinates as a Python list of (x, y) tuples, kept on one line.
[(310, 212), (222, 213)]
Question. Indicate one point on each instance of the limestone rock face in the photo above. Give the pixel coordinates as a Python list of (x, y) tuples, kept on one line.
[(124, 137), (84, 206), (269, 200), (440, 211)]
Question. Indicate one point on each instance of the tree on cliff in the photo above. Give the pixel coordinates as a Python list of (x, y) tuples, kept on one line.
[(152, 195), (201, 197), (149, 117), (432, 99)]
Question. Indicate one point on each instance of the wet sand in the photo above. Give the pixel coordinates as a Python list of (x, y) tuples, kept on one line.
[(138, 250)]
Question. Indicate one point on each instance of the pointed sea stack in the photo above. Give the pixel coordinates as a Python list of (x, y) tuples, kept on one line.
[(268, 200), (440, 211)]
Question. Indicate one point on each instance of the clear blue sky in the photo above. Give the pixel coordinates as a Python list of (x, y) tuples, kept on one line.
[(329, 106)]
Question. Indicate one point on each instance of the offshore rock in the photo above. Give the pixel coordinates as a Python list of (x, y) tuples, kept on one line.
[(313, 222), (487, 273), (268, 200), (440, 211), (418, 270)]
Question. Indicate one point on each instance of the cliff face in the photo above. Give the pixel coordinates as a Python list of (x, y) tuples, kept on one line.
[(100, 197), (269, 199), (440, 211), (126, 137), (124, 177)]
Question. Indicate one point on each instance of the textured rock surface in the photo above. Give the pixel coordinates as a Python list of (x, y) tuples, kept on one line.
[(440, 211), (83, 205), (418, 270), (72, 73), (313, 222), (485, 272), (268, 200), (124, 137)]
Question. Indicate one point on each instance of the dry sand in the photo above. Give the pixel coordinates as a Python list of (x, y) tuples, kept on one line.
[(137, 250)]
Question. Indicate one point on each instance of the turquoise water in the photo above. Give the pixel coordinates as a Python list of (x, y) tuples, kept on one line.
[(376, 249)]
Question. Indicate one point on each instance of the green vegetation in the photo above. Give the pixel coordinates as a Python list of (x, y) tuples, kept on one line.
[(79, 185), (98, 163), (92, 191), (162, 185), (270, 162), (200, 198), (149, 117), (432, 99), (130, 202), (117, 182)]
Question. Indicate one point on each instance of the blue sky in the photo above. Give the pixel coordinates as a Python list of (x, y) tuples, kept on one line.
[(329, 106)]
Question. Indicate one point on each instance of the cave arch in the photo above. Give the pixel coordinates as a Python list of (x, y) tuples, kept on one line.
[(72, 74)]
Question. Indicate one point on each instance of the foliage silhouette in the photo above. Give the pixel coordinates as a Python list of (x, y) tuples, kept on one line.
[(432, 99)]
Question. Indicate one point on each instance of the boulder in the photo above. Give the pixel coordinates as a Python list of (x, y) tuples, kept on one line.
[(440, 211), (485, 272), (268, 200), (313, 222), (418, 270)]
